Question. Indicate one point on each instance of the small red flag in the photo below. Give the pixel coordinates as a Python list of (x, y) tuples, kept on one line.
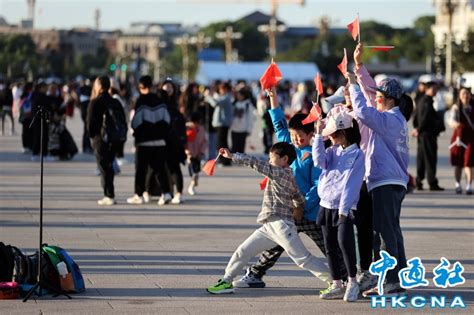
[(263, 183), (319, 84), (271, 77), (343, 65), (209, 167), (313, 115), (381, 48), (353, 28)]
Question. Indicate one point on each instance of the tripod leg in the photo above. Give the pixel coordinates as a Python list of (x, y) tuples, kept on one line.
[(32, 290)]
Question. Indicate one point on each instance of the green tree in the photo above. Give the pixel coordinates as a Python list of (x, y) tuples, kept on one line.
[(17, 55), (463, 54)]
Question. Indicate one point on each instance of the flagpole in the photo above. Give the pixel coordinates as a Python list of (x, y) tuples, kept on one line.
[(358, 20), (379, 46)]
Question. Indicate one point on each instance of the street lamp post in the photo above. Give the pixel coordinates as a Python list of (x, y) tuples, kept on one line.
[(272, 29), (228, 36), (157, 71), (183, 42)]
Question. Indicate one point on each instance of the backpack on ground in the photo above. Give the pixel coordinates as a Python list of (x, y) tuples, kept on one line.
[(25, 269), (72, 280), (114, 128), (6, 263)]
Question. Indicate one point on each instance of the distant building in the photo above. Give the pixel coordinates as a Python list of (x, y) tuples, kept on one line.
[(462, 21), (72, 43), (144, 38)]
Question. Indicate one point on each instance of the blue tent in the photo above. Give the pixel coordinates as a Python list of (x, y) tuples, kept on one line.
[(209, 71)]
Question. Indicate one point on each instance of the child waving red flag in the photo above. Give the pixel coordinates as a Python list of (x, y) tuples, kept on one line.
[(210, 165), (271, 77)]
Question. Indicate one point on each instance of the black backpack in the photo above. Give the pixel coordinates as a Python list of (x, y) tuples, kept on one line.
[(6, 263), (114, 128)]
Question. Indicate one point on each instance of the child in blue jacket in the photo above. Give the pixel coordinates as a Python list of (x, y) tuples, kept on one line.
[(306, 176), (339, 187)]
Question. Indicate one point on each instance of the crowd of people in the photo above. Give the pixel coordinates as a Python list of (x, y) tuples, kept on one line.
[(348, 169)]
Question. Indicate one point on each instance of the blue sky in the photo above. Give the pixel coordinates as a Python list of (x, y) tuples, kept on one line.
[(120, 13)]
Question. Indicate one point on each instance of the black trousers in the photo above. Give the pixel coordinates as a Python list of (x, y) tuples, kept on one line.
[(238, 141), (338, 235), (426, 159), (222, 135), (27, 134), (7, 111), (387, 201), (37, 136), (105, 156), (154, 158), (175, 176), (267, 139), (365, 230)]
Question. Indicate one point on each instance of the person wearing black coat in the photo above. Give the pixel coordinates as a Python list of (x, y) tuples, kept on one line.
[(104, 152), (427, 128), (176, 153)]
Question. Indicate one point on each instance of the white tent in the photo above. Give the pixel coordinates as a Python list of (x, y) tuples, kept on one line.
[(209, 71)]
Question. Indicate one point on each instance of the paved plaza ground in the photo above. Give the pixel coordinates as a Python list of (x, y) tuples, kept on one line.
[(159, 260)]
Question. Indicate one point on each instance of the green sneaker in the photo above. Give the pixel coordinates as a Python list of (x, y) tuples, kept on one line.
[(332, 293), (222, 287)]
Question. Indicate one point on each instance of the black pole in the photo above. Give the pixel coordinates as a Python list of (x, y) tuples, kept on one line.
[(40, 284), (41, 198)]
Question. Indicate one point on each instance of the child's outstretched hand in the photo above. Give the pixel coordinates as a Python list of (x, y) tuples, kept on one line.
[(225, 153)]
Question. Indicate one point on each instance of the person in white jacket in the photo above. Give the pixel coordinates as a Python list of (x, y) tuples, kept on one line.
[(242, 122)]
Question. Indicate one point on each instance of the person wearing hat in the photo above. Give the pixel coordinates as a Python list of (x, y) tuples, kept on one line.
[(339, 187), (387, 158), (427, 128)]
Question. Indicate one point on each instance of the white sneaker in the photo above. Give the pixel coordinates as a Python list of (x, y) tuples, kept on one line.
[(352, 292), (135, 200), (106, 201), (164, 199), (177, 199), (366, 280), (146, 197), (191, 190)]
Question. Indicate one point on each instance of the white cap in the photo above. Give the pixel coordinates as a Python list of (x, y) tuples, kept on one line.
[(339, 121)]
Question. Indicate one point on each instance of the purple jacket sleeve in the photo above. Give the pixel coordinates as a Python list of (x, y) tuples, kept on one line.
[(351, 189), (369, 116), (367, 84), (319, 153)]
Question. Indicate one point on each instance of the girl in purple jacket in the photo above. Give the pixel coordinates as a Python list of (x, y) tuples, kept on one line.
[(339, 186)]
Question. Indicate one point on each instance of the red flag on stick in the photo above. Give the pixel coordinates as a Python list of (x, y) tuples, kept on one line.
[(343, 65), (380, 48), (271, 77), (313, 115), (210, 165), (319, 84), (263, 183), (353, 28)]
